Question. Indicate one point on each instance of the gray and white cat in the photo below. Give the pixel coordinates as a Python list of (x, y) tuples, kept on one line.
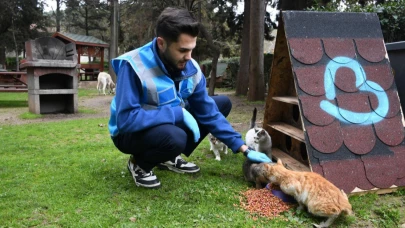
[(217, 147), (257, 138)]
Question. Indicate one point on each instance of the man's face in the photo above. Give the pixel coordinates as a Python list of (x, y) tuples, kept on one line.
[(177, 53)]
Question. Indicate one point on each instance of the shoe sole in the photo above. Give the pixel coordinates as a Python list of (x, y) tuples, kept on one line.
[(177, 170), (157, 185)]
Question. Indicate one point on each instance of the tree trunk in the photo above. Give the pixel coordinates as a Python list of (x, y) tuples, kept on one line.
[(256, 71), (13, 31), (86, 20), (243, 74), (58, 15), (3, 57), (113, 52), (17, 60), (213, 78), (215, 55)]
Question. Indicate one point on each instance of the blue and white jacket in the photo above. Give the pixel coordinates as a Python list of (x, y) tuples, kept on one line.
[(146, 96)]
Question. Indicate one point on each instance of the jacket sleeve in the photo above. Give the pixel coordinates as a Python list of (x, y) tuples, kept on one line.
[(130, 116), (206, 112)]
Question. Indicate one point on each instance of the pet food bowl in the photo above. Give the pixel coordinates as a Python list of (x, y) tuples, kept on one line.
[(281, 195)]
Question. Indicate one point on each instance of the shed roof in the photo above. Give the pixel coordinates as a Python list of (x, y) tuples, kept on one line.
[(348, 98), (81, 39)]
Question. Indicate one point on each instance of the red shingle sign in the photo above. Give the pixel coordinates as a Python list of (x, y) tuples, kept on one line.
[(348, 99)]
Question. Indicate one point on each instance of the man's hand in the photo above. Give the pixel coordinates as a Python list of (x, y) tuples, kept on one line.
[(255, 156), (191, 123)]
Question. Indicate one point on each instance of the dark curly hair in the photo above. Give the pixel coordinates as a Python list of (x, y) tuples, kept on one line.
[(174, 21)]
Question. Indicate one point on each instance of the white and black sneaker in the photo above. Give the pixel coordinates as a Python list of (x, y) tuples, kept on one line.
[(141, 177), (178, 165)]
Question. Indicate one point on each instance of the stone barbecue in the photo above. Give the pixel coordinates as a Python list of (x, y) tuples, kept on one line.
[(51, 76)]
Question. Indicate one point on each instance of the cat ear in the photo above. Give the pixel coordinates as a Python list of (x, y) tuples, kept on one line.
[(279, 161)]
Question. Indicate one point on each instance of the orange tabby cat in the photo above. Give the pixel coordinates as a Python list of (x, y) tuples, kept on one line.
[(321, 197)]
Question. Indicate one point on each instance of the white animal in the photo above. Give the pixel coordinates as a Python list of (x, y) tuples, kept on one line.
[(217, 146), (258, 138), (104, 81)]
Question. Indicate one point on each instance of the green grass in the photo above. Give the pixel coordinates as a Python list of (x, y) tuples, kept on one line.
[(20, 99), (29, 115), (87, 111), (75, 176), (69, 174), (13, 100), (87, 92)]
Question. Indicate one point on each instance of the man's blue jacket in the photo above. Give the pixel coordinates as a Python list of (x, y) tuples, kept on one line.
[(146, 96)]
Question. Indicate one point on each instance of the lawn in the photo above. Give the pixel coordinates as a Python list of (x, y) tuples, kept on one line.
[(69, 174)]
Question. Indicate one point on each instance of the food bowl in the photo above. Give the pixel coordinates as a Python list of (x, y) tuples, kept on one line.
[(280, 194)]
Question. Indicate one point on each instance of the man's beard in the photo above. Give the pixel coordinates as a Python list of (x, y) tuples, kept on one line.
[(169, 63)]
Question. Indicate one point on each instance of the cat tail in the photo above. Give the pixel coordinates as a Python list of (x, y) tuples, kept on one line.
[(253, 120)]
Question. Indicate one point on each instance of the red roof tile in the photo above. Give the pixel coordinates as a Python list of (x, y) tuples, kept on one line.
[(360, 139), (380, 170), (390, 131), (399, 153), (371, 49), (347, 174), (326, 139), (311, 79), (344, 154), (349, 102), (354, 103), (335, 47), (400, 182), (317, 168), (381, 75), (312, 111), (307, 51), (394, 106), (346, 80)]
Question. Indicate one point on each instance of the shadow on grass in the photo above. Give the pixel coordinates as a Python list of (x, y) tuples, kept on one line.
[(13, 104)]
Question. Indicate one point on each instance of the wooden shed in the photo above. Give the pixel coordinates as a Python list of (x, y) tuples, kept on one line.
[(332, 105), (88, 46)]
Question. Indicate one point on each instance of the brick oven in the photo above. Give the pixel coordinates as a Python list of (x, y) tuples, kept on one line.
[(51, 76)]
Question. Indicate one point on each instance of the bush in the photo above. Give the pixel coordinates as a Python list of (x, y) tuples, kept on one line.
[(11, 63), (106, 66), (390, 13)]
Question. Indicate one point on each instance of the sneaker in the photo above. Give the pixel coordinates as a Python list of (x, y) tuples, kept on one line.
[(141, 177), (178, 165)]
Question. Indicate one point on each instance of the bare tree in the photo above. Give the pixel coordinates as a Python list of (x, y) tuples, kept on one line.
[(243, 74), (113, 51), (256, 71), (58, 14), (215, 56)]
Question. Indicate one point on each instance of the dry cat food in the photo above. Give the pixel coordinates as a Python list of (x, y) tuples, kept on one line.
[(263, 203)]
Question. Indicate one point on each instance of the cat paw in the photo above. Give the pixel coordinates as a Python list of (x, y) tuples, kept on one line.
[(218, 158)]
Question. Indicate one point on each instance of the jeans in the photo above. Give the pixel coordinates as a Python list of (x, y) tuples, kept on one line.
[(164, 142)]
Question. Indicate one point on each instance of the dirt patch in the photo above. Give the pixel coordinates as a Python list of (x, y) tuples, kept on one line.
[(99, 107)]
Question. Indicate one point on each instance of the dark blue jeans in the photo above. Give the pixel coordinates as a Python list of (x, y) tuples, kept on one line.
[(164, 142)]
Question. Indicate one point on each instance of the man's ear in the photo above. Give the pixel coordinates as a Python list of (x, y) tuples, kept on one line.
[(162, 44)]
